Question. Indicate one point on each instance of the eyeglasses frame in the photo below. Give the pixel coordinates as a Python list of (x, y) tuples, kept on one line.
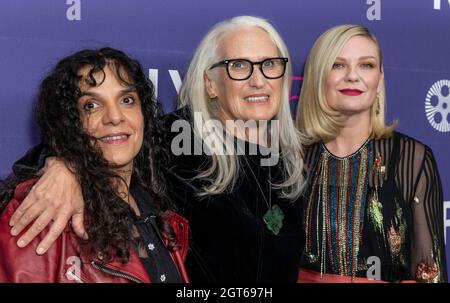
[(227, 61)]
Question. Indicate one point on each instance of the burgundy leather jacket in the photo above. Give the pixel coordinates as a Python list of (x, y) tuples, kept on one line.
[(62, 262)]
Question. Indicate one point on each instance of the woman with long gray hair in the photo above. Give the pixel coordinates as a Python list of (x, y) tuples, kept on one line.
[(236, 166)]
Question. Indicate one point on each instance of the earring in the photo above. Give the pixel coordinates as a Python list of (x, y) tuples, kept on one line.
[(377, 100)]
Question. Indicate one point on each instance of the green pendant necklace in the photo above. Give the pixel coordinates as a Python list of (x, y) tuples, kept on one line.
[(274, 219), (274, 216)]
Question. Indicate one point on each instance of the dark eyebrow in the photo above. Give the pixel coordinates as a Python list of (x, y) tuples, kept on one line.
[(90, 94), (124, 91)]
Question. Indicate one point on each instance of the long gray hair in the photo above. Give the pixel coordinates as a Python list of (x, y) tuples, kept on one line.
[(224, 169)]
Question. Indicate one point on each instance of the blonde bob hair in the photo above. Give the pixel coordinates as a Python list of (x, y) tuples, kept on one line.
[(315, 118), (224, 169)]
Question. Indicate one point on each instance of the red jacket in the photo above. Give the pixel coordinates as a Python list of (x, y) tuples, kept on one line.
[(62, 262)]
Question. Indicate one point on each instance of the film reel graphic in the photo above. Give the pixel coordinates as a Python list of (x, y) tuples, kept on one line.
[(437, 105)]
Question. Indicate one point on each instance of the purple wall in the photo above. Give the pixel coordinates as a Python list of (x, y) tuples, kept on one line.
[(34, 35)]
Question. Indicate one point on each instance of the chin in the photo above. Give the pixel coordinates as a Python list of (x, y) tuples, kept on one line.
[(117, 162), (120, 167), (262, 115), (352, 112)]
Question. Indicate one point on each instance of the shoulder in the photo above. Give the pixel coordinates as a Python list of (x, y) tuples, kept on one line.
[(406, 143), (312, 148), (310, 154), (20, 192), (409, 140), (410, 151), (413, 146), (22, 264)]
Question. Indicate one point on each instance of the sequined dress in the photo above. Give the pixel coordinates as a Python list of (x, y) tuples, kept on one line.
[(376, 213)]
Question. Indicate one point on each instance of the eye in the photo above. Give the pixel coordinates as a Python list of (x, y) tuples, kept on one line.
[(268, 63), (239, 64), (367, 65), (128, 100), (337, 66), (90, 105)]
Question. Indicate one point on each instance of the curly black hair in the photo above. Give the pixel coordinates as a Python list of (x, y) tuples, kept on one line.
[(106, 215)]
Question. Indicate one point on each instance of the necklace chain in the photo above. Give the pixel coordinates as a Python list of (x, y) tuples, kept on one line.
[(268, 203), (274, 216), (340, 187)]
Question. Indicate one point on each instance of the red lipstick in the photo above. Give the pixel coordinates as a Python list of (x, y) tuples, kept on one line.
[(351, 92)]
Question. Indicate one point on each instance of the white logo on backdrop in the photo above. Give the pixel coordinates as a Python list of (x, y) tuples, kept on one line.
[(437, 105), (374, 12), (174, 76), (437, 4), (74, 11)]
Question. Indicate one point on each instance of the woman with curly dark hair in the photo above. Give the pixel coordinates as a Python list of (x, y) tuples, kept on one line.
[(97, 111)]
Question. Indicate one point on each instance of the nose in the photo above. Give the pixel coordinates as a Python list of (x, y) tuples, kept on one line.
[(257, 78), (113, 114), (352, 75)]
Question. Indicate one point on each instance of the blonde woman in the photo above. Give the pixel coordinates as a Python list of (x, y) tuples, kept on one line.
[(236, 166), (374, 198)]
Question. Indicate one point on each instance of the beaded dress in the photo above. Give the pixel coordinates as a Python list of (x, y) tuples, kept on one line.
[(376, 213)]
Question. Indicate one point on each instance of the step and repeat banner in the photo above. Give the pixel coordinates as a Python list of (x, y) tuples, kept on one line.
[(163, 34)]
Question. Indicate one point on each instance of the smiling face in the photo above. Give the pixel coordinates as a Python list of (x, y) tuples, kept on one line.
[(256, 98), (111, 112), (355, 78)]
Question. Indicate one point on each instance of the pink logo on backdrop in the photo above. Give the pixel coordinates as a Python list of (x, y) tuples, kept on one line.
[(295, 97)]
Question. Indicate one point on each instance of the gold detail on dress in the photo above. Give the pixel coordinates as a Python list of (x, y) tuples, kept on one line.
[(347, 266), (436, 255), (395, 241), (375, 208), (379, 168), (426, 273), (312, 258)]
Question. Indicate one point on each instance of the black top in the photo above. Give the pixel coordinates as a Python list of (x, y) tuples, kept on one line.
[(229, 240), (400, 210), (147, 239)]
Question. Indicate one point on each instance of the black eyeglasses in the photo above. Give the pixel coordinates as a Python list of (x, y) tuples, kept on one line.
[(242, 69)]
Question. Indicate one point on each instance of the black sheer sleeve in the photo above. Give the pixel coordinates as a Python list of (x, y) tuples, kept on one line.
[(421, 185), (32, 161)]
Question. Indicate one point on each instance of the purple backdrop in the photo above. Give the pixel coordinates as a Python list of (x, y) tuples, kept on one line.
[(162, 34)]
